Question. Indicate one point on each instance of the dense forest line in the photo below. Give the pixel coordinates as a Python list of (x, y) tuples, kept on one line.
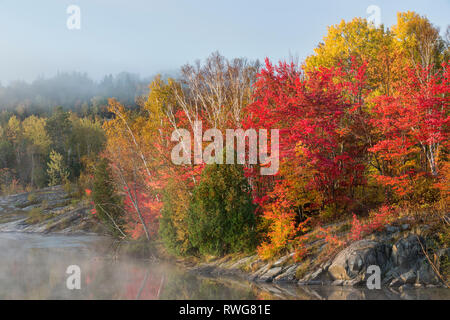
[(363, 122), (39, 151)]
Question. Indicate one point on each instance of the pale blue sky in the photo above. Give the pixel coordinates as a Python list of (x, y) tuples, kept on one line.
[(152, 36)]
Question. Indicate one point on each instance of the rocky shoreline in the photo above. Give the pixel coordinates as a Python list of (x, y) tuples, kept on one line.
[(399, 251), (48, 210), (400, 255)]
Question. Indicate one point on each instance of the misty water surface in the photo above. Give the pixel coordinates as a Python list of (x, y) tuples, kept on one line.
[(33, 266)]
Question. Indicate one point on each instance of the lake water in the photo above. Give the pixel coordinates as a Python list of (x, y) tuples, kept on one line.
[(33, 266)]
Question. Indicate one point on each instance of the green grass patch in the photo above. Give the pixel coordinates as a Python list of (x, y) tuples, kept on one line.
[(36, 215), (302, 269)]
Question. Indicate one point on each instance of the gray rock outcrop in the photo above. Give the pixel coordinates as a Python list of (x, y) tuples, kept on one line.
[(403, 263)]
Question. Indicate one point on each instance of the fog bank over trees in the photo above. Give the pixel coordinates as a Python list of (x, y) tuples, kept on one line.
[(74, 91)]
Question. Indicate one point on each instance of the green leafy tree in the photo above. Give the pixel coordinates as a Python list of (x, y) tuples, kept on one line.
[(86, 141), (59, 128), (6, 154), (108, 205), (221, 216)]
